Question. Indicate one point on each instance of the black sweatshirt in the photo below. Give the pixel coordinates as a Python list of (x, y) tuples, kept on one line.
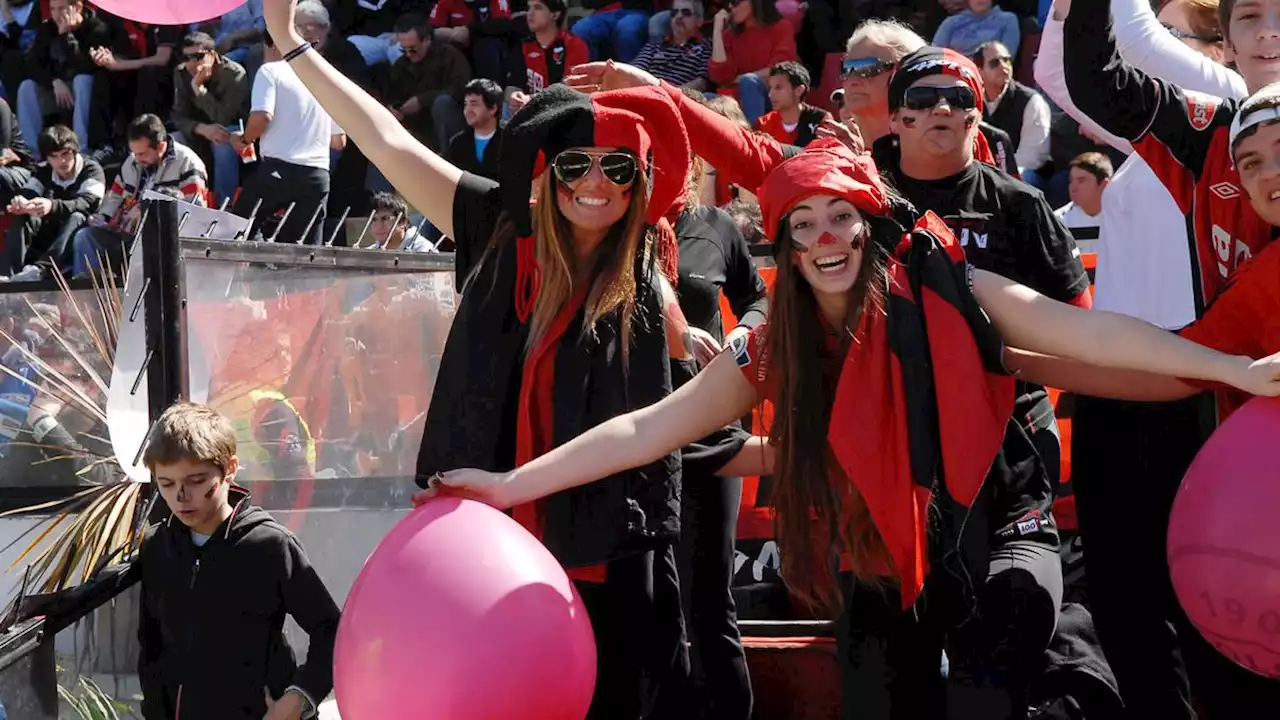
[(212, 621), (82, 195), (713, 257)]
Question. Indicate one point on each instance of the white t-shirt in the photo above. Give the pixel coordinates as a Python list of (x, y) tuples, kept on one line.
[(300, 129), (1075, 218)]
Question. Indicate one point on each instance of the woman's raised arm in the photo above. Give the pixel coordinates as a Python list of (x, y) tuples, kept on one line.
[(1030, 321), (425, 180), (714, 398)]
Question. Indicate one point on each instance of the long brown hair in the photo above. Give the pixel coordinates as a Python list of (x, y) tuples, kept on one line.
[(817, 511)]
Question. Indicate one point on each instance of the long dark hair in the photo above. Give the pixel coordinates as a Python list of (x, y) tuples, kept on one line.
[(765, 13), (817, 511)]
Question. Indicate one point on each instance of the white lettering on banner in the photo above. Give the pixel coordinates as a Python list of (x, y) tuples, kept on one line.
[(535, 81)]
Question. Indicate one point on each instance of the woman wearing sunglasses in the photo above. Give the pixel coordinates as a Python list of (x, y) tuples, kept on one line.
[(560, 328), (907, 495)]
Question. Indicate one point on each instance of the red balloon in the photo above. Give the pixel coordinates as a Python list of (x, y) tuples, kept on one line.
[(460, 613), (1224, 538), (169, 12)]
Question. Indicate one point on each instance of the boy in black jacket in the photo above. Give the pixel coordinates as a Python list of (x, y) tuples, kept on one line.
[(56, 201), (218, 578)]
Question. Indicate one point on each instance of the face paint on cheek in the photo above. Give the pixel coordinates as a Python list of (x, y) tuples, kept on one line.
[(909, 121), (969, 122), (209, 495), (182, 493)]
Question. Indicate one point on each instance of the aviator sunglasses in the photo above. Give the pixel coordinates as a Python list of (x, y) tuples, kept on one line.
[(864, 68), (926, 97), (571, 166)]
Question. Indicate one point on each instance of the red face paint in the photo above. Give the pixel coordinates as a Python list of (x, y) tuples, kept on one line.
[(969, 121), (909, 121), (828, 238)]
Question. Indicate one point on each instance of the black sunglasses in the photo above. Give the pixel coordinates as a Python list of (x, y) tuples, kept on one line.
[(864, 68), (199, 55), (1181, 34), (999, 60), (926, 97), (571, 166), (682, 12)]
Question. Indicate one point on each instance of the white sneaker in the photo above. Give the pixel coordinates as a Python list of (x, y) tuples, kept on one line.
[(30, 273)]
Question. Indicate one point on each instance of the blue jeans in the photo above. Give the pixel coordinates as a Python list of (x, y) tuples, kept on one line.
[(753, 96), (626, 30), (380, 49), (36, 101), (91, 241)]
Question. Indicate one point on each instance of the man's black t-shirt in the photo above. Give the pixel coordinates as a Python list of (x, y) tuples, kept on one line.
[(713, 257), (1006, 227)]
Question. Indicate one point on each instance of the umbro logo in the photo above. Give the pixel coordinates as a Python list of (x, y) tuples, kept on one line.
[(1225, 190)]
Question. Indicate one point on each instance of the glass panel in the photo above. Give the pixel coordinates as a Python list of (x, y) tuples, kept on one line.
[(58, 343)]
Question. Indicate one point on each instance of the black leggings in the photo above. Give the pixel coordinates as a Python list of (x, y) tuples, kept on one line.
[(1128, 460), (891, 659), (640, 641), (720, 686)]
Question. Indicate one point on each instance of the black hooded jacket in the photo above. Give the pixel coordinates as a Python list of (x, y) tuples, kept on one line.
[(212, 617)]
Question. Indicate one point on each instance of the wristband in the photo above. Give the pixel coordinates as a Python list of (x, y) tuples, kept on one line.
[(289, 56), (42, 427)]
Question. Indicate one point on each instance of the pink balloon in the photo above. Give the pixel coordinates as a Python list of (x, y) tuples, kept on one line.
[(1224, 538), (169, 12), (461, 613), (791, 10)]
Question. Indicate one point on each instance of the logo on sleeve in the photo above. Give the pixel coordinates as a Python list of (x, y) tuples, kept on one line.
[(1200, 109), (740, 346)]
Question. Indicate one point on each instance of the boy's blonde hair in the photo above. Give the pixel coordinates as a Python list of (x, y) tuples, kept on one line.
[(193, 432)]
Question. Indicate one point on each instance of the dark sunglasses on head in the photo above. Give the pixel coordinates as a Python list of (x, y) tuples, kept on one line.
[(1000, 60), (926, 97), (1184, 35), (865, 68), (572, 165)]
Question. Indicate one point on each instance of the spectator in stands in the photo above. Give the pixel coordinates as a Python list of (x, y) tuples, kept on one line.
[(617, 29), (54, 204), (20, 22), (15, 155), (390, 228), (1090, 174), (141, 66), (211, 98), (295, 137), (1013, 107), (477, 149), (156, 163), (481, 27), (983, 21), (792, 121), (874, 48), (61, 71), (748, 38), (842, 107), (682, 57), (370, 24), (237, 32), (746, 215), (426, 82), (545, 53)]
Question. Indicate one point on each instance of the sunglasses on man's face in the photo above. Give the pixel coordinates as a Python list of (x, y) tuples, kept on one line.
[(999, 61), (682, 12), (864, 68), (571, 166), (194, 56), (927, 97)]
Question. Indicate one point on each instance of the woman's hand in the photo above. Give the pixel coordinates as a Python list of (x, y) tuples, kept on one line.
[(1258, 377), (486, 487), (705, 346), (608, 75), (279, 17), (851, 137)]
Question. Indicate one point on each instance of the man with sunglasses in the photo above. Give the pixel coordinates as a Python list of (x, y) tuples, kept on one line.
[(211, 97), (681, 57), (1013, 107), (1006, 226)]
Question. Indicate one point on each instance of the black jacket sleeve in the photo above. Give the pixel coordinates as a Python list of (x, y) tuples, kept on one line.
[(476, 207), (90, 187), (1129, 103), (743, 286), (308, 600), (517, 73), (37, 60), (63, 609), (150, 677)]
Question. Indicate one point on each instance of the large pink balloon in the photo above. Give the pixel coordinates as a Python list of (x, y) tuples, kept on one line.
[(1224, 538), (169, 12), (461, 614)]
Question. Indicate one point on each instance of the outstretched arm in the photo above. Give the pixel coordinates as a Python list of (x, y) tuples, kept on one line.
[(1030, 321), (1077, 377), (426, 180), (714, 398)]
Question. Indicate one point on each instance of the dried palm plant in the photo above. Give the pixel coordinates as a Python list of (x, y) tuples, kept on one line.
[(80, 535)]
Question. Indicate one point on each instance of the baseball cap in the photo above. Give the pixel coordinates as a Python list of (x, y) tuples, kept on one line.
[(1260, 107)]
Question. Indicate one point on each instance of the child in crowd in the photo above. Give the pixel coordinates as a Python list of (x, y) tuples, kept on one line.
[(218, 579)]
